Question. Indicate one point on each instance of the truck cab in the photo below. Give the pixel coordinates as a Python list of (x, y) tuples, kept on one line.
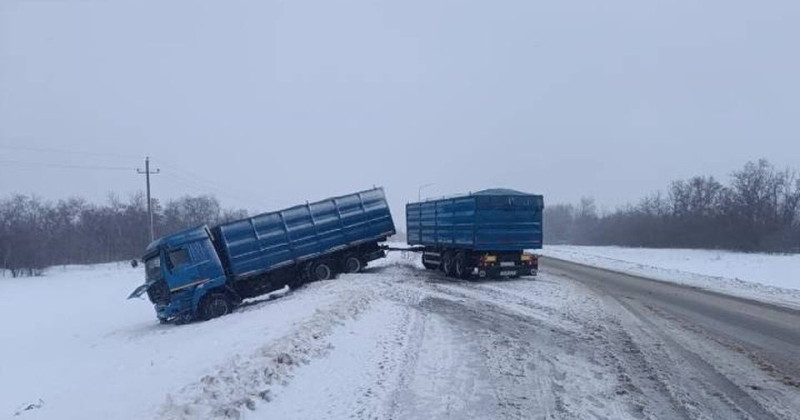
[(180, 269)]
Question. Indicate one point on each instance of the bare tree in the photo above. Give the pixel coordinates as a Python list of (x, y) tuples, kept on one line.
[(758, 210), (35, 234)]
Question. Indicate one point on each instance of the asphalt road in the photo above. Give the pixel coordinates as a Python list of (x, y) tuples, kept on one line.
[(769, 334)]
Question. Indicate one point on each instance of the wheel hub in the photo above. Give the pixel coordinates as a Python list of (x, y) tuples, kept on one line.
[(322, 272)]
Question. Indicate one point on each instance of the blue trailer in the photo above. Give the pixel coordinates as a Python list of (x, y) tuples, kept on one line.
[(482, 234), (204, 272)]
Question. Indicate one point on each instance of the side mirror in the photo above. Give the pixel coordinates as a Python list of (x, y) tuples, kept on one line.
[(134, 263)]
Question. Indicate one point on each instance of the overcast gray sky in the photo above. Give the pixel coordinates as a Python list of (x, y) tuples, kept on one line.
[(268, 103)]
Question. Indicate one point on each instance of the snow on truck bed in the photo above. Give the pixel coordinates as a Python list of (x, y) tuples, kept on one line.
[(773, 278)]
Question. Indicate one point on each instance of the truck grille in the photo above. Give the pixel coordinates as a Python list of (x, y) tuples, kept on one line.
[(158, 292)]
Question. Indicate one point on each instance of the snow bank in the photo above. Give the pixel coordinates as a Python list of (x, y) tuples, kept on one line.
[(773, 278), (74, 347), (247, 379)]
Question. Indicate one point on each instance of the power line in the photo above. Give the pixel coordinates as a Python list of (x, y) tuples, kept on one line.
[(206, 189), (194, 176), (68, 151), (180, 183), (204, 184), (182, 176), (66, 166)]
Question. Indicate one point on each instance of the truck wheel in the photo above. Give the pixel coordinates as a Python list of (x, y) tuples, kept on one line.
[(215, 305), (184, 318), (322, 271), (447, 264), (296, 282), (460, 266), (352, 264)]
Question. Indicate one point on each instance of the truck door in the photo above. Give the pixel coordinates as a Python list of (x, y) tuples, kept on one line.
[(183, 272), (193, 263)]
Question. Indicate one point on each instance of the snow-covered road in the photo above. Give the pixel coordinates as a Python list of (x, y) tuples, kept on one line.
[(395, 342), (772, 278)]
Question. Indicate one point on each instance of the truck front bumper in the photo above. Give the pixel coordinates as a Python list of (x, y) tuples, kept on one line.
[(180, 305)]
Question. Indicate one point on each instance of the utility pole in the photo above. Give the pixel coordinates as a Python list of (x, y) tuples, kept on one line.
[(147, 172)]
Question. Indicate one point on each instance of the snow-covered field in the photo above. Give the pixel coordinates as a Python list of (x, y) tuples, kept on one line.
[(395, 342), (72, 341), (773, 278)]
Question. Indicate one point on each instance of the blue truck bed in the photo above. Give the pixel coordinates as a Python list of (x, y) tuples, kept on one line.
[(489, 220), (271, 240)]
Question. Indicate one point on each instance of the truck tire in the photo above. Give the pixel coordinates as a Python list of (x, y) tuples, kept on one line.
[(184, 318), (352, 264), (215, 305), (322, 271), (296, 282), (460, 269), (447, 264)]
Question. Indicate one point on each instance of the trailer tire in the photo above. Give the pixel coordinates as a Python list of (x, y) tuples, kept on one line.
[(447, 264), (322, 271), (460, 269), (352, 264), (215, 305)]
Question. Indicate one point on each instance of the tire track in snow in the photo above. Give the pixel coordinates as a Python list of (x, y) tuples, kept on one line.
[(722, 396), (528, 354)]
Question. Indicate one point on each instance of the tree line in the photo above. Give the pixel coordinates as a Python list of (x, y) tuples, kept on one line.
[(35, 233), (758, 209)]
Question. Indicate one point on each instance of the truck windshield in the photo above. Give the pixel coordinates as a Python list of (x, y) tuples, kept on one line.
[(152, 267)]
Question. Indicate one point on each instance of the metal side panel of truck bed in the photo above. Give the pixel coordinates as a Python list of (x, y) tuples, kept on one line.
[(271, 240), (497, 220)]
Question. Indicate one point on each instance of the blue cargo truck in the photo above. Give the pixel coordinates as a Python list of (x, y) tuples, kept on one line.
[(482, 234), (203, 272)]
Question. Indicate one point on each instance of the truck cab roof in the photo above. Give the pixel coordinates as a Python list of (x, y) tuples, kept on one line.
[(178, 238)]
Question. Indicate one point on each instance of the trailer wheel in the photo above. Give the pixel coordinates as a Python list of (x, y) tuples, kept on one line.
[(460, 266), (352, 264), (447, 264), (215, 305), (322, 271)]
